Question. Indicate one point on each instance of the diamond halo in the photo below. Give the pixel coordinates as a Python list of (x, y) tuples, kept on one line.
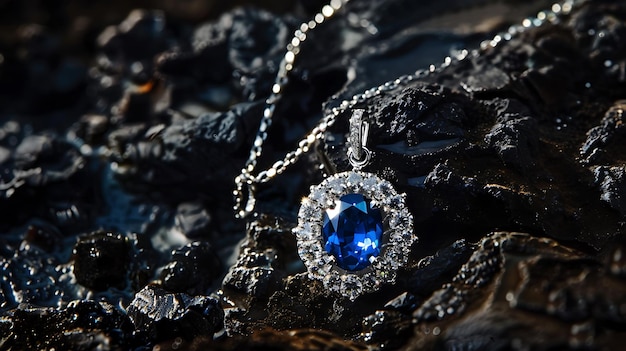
[(398, 236)]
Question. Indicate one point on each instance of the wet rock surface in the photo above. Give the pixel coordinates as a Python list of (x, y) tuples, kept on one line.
[(101, 261), (119, 143), (81, 325), (160, 315)]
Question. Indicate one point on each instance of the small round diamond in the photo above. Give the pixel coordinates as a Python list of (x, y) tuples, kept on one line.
[(336, 186), (351, 286), (307, 209), (354, 179), (332, 282), (385, 189)]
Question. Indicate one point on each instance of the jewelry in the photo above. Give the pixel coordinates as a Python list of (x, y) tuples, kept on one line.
[(354, 231)]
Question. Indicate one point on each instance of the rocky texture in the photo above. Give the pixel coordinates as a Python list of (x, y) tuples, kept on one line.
[(525, 279), (117, 162), (193, 269), (81, 325), (41, 170), (101, 261), (159, 315)]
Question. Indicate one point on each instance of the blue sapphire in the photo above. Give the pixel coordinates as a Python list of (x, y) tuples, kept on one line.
[(353, 231)]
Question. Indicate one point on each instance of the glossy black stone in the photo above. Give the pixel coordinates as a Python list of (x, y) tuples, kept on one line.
[(159, 315), (136, 122), (192, 270), (81, 325), (102, 260)]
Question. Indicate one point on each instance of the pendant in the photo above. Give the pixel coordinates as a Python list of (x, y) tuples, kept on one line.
[(354, 231)]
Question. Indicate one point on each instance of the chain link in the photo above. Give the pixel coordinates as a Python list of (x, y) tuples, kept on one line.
[(245, 183)]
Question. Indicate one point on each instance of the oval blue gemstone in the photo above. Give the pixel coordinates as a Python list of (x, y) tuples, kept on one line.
[(353, 231)]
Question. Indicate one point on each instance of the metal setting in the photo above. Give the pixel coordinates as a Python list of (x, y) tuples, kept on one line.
[(398, 236), (358, 153)]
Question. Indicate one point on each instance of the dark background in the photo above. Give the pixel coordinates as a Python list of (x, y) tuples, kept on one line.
[(80, 21)]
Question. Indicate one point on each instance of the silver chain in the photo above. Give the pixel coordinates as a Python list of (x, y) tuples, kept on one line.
[(248, 181)]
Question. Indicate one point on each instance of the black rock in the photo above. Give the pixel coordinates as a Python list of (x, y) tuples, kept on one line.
[(193, 220), (92, 128), (256, 282), (604, 140), (514, 136), (101, 261), (242, 49), (48, 158), (82, 325), (192, 270), (186, 156), (43, 235), (386, 328), (403, 302), (137, 39), (205, 62), (45, 166), (612, 184), (160, 315), (432, 271), (33, 276), (256, 43)]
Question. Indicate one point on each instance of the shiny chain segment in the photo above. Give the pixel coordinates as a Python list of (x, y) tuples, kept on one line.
[(245, 183)]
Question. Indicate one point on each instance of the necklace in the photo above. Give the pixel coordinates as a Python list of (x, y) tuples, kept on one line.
[(354, 231)]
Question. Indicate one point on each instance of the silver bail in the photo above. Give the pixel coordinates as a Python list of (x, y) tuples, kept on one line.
[(358, 153)]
